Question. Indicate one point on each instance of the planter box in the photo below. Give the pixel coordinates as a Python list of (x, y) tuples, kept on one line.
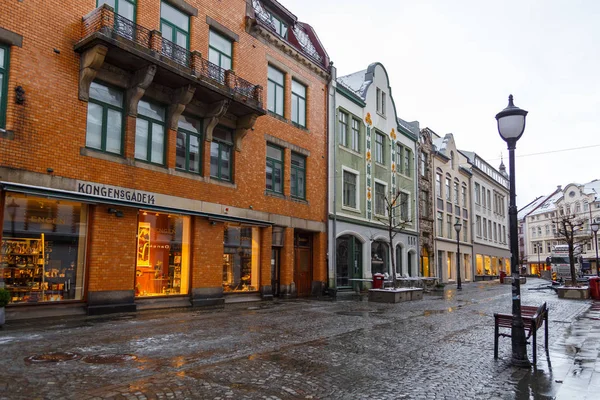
[(580, 293), (486, 277), (395, 295)]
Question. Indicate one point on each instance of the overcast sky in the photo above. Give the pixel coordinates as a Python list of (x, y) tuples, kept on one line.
[(452, 65)]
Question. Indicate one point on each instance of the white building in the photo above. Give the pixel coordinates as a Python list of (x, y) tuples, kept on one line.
[(490, 197), (582, 202)]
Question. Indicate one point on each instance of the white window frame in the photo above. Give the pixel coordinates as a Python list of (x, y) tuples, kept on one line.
[(356, 195)]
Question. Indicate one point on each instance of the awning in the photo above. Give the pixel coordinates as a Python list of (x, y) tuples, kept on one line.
[(91, 199)]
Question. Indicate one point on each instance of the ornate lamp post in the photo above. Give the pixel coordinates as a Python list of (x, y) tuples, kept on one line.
[(595, 227), (511, 124), (457, 227)]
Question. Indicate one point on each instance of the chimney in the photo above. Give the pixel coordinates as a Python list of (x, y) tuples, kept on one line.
[(559, 187)]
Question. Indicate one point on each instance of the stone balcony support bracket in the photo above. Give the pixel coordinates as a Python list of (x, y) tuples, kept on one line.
[(244, 124), (211, 119), (137, 87), (90, 63), (180, 98)]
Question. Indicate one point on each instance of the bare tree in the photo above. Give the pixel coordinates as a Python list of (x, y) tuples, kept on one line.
[(397, 217), (569, 228)]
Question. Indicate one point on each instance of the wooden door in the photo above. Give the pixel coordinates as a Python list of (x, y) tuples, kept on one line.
[(303, 264)]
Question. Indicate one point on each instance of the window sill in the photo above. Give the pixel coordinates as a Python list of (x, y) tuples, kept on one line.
[(381, 115), (380, 165), (220, 182), (349, 150), (103, 155), (277, 116), (404, 175), (298, 126), (5, 134), (354, 210), (188, 174), (270, 193), (299, 200)]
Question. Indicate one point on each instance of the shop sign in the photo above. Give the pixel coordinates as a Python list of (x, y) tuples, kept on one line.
[(116, 193)]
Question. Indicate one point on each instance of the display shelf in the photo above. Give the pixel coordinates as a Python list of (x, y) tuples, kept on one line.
[(22, 268)]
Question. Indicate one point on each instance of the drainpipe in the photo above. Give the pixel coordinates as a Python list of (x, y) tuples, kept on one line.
[(332, 112)]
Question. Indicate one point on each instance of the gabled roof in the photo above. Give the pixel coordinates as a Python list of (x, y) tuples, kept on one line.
[(592, 187), (411, 127), (356, 83), (523, 212)]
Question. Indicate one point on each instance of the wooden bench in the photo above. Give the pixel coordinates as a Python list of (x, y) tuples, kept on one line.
[(533, 318)]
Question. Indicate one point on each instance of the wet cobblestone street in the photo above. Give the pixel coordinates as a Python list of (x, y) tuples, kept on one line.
[(438, 348)]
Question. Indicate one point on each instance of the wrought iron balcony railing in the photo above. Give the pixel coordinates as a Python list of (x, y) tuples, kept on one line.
[(105, 21)]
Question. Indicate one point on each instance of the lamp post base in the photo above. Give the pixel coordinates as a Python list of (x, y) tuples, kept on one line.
[(520, 362)]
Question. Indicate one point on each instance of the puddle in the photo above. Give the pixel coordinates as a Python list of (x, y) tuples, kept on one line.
[(52, 357), (359, 313), (109, 358), (428, 313)]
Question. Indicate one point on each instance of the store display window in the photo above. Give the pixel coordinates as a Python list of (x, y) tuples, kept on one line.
[(42, 258), (241, 255), (163, 252)]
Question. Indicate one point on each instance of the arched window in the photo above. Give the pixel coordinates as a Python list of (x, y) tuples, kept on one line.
[(399, 259), (379, 257), (577, 208), (348, 260)]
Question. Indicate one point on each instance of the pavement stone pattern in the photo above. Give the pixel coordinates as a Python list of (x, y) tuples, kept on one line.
[(440, 347)]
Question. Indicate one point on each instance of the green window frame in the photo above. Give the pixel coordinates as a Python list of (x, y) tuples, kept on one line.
[(4, 60), (298, 176), (298, 103), (280, 27), (379, 198), (355, 137), (188, 148), (274, 169), (379, 146), (174, 25), (150, 136), (275, 91), (220, 50), (407, 162), (343, 129), (221, 155), (124, 8), (105, 119)]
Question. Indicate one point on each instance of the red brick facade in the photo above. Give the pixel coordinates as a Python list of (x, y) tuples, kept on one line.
[(44, 142)]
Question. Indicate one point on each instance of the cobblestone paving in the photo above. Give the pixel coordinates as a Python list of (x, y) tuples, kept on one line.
[(438, 348)]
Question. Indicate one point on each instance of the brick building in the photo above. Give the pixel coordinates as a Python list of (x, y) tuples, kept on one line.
[(160, 153)]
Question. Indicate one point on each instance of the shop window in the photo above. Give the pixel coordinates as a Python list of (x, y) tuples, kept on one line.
[(43, 249), (241, 258), (3, 84), (298, 103), (150, 133), (221, 152), (298, 176), (274, 169), (275, 90), (105, 119), (163, 251), (189, 145)]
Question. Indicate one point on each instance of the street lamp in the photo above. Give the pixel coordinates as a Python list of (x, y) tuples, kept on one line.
[(511, 124), (595, 227), (457, 227)]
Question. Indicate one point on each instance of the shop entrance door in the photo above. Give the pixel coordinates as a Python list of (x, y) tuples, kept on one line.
[(275, 271), (303, 264)]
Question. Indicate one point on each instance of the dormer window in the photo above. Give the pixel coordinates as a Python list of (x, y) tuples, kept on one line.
[(281, 27)]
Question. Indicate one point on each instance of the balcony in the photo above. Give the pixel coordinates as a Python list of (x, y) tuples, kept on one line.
[(112, 39)]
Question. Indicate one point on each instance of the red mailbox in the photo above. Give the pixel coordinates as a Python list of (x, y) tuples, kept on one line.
[(502, 276), (378, 281), (594, 283)]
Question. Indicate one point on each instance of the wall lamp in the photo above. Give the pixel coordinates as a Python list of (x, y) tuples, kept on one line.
[(118, 213)]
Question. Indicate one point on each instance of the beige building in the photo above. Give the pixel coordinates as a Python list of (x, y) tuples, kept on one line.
[(452, 206)]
